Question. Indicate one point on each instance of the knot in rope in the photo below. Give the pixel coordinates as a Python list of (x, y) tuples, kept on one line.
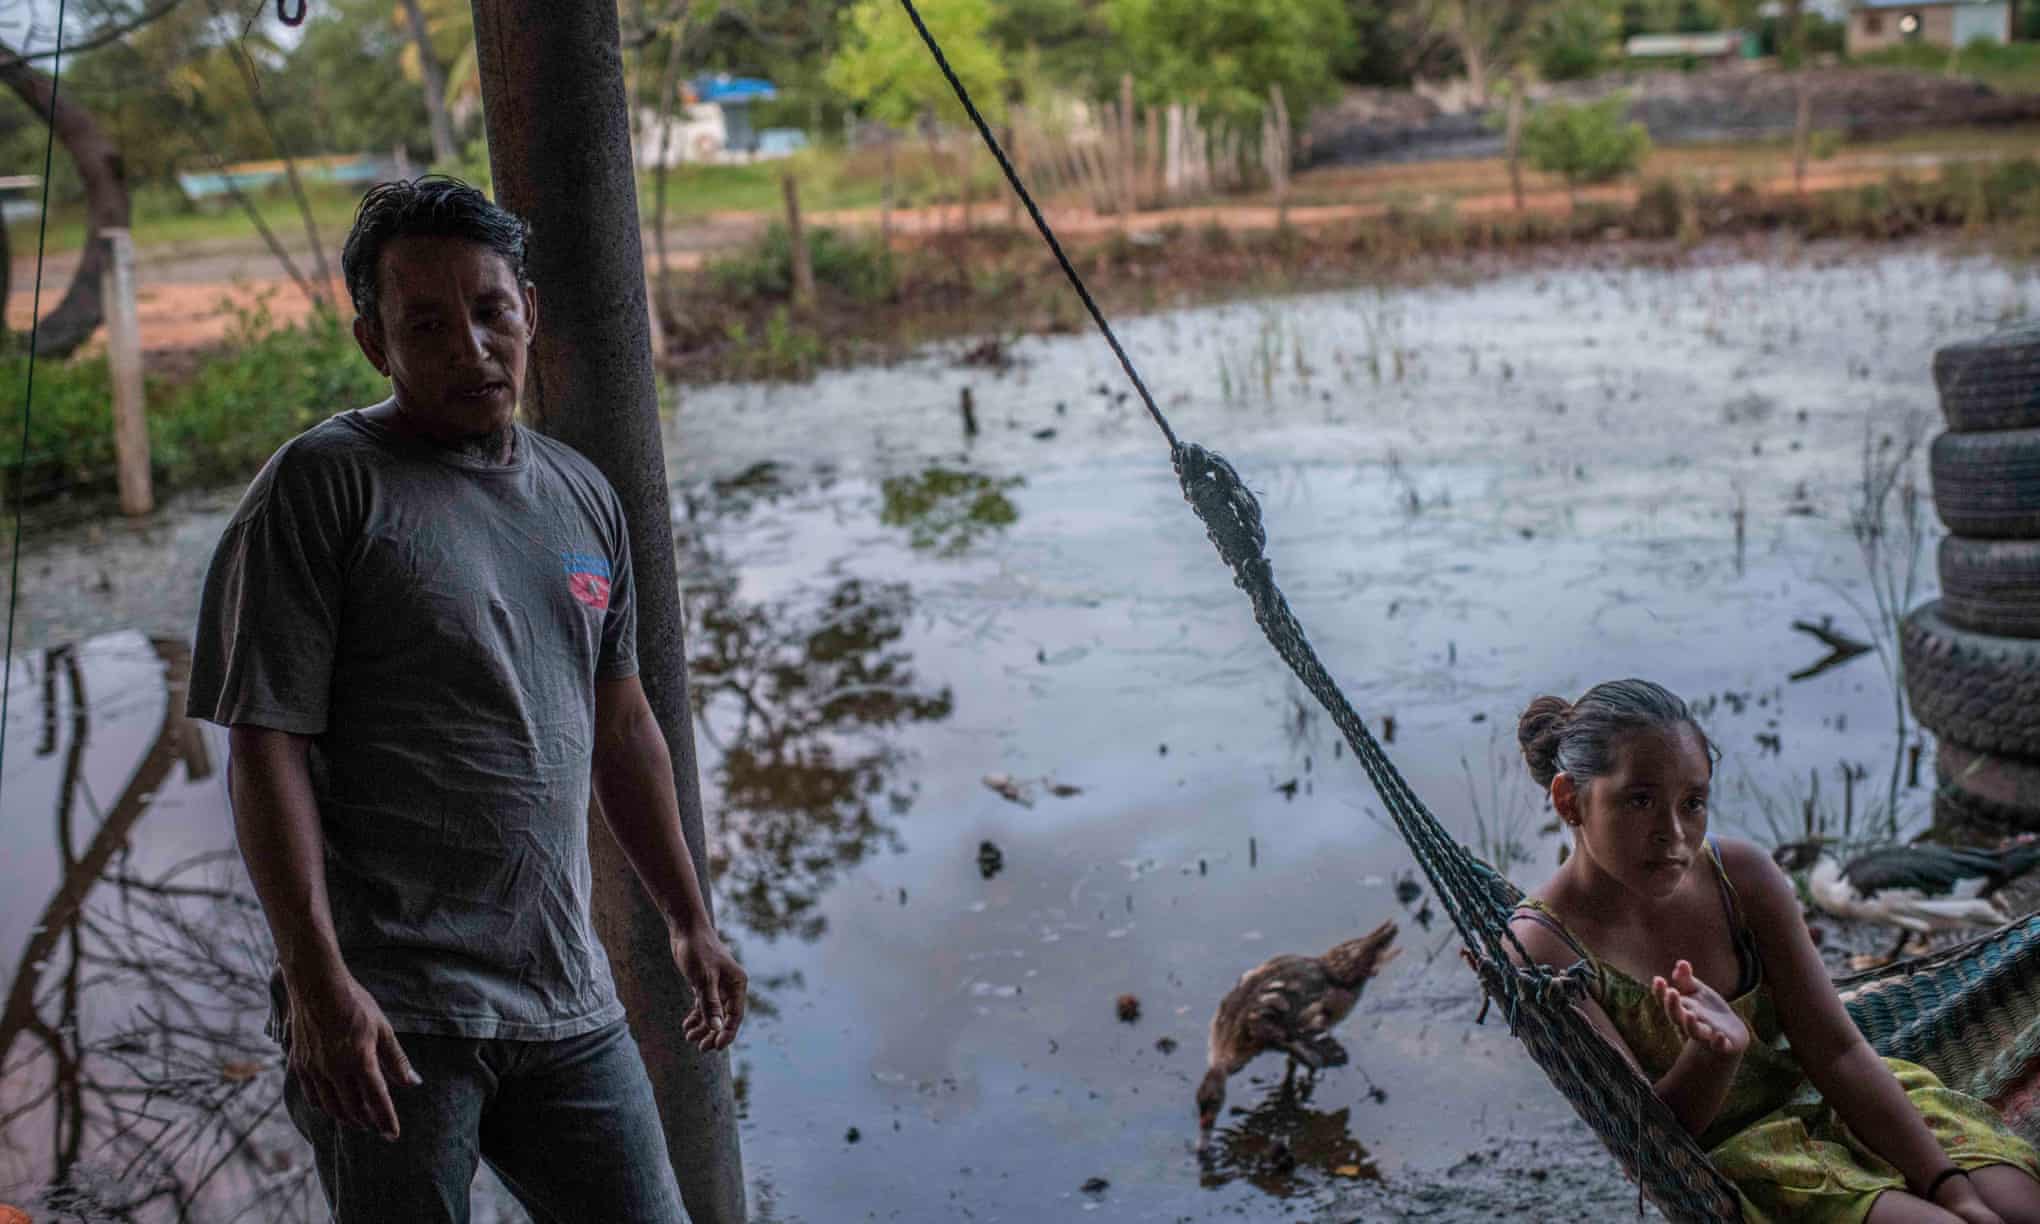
[(1232, 517), (287, 17), (1552, 991)]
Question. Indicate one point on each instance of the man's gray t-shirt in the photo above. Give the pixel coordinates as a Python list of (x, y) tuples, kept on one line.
[(437, 625)]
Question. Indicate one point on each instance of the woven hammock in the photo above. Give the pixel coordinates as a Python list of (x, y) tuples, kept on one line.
[(1968, 1014)]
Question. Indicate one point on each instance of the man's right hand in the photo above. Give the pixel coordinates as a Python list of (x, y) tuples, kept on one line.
[(345, 1054)]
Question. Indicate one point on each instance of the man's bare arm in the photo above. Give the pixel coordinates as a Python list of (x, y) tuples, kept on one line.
[(341, 1045), (634, 782), (276, 821)]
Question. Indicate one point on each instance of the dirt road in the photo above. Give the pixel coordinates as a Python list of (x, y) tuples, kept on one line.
[(191, 293)]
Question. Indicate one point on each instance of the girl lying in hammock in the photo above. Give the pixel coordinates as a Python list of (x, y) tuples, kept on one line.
[(1768, 1074)]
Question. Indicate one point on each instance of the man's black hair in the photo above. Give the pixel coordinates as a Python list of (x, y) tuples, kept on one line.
[(430, 206)]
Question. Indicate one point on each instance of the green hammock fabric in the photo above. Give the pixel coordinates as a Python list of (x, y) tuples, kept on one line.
[(1968, 1014)]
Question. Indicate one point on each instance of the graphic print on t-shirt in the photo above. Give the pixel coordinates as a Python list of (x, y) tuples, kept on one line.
[(588, 578)]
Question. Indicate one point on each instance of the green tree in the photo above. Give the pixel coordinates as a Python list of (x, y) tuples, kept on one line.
[(1491, 37), (1225, 55), (351, 61), (884, 67), (1574, 40), (1589, 143), (1388, 47), (1070, 40)]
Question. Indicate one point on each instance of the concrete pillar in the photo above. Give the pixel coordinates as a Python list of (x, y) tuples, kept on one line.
[(559, 150)]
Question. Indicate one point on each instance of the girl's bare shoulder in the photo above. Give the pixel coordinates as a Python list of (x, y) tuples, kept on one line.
[(1533, 927)]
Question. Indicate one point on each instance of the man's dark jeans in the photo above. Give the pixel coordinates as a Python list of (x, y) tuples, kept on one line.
[(569, 1126)]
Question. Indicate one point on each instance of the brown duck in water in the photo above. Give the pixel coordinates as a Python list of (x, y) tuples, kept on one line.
[(1290, 1004)]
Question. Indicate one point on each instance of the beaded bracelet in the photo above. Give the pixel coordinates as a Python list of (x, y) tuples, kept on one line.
[(1934, 1186)]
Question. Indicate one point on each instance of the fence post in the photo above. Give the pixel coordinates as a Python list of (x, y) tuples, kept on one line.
[(1171, 176), (1128, 166), (1515, 140), (1151, 177), (124, 363), (1279, 121), (803, 267)]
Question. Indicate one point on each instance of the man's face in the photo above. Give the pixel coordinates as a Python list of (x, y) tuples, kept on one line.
[(453, 332)]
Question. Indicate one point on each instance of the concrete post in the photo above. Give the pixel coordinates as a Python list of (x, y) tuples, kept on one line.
[(559, 149), (124, 364)]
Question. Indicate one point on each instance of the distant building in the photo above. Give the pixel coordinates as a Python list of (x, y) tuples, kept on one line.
[(735, 95), (1712, 45), (1877, 24), (20, 197), (713, 124), (695, 133), (363, 170)]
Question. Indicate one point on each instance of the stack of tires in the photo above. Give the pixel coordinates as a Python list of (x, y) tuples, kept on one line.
[(1972, 657)]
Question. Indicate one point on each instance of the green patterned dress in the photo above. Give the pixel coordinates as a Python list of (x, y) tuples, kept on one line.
[(1789, 1155)]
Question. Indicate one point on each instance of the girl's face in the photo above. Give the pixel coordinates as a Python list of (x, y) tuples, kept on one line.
[(1644, 822)]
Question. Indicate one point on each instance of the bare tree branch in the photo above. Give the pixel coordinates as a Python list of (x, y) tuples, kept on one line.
[(100, 39)]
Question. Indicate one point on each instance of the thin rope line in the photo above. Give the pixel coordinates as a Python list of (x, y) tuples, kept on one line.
[(1040, 222), (42, 231)]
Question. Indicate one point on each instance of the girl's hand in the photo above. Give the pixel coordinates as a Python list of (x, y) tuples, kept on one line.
[(1700, 1012), (1960, 1199)]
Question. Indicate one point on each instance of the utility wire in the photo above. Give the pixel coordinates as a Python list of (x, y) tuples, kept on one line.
[(42, 230)]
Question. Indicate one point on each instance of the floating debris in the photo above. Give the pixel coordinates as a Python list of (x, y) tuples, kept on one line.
[(1096, 1185), (1128, 1007), (1166, 1045), (990, 859), (240, 1071), (852, 1135), (1007, 788)]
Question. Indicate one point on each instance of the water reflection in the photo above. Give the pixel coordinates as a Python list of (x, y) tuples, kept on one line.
[(173, 1105), (1284, 1148), (946, 510), (796, 696)]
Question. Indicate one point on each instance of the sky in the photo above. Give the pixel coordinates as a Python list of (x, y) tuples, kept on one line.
[(39, 17)]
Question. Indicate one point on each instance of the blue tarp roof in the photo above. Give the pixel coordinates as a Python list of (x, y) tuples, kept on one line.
[(724, 88)]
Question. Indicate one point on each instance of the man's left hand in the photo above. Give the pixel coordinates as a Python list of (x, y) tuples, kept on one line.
[(719, 984)]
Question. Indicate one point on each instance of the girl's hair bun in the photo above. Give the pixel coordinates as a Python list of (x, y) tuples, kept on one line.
[(1537, 732)]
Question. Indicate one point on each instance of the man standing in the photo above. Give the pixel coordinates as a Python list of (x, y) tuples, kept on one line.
[(421, 629)]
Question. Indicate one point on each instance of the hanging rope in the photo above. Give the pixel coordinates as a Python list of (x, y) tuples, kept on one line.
[(42, 230), (1232, 519), (1040, 222)]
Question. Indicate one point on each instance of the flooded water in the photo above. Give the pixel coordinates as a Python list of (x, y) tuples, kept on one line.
[(990, 740)]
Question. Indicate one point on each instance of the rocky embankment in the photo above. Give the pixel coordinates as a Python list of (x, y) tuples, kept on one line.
[(1732, 102)]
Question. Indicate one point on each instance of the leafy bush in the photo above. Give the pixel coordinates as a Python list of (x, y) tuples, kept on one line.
[(1587, 143), (265, 386), (861, 270), (70, 425), (783, 351)]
